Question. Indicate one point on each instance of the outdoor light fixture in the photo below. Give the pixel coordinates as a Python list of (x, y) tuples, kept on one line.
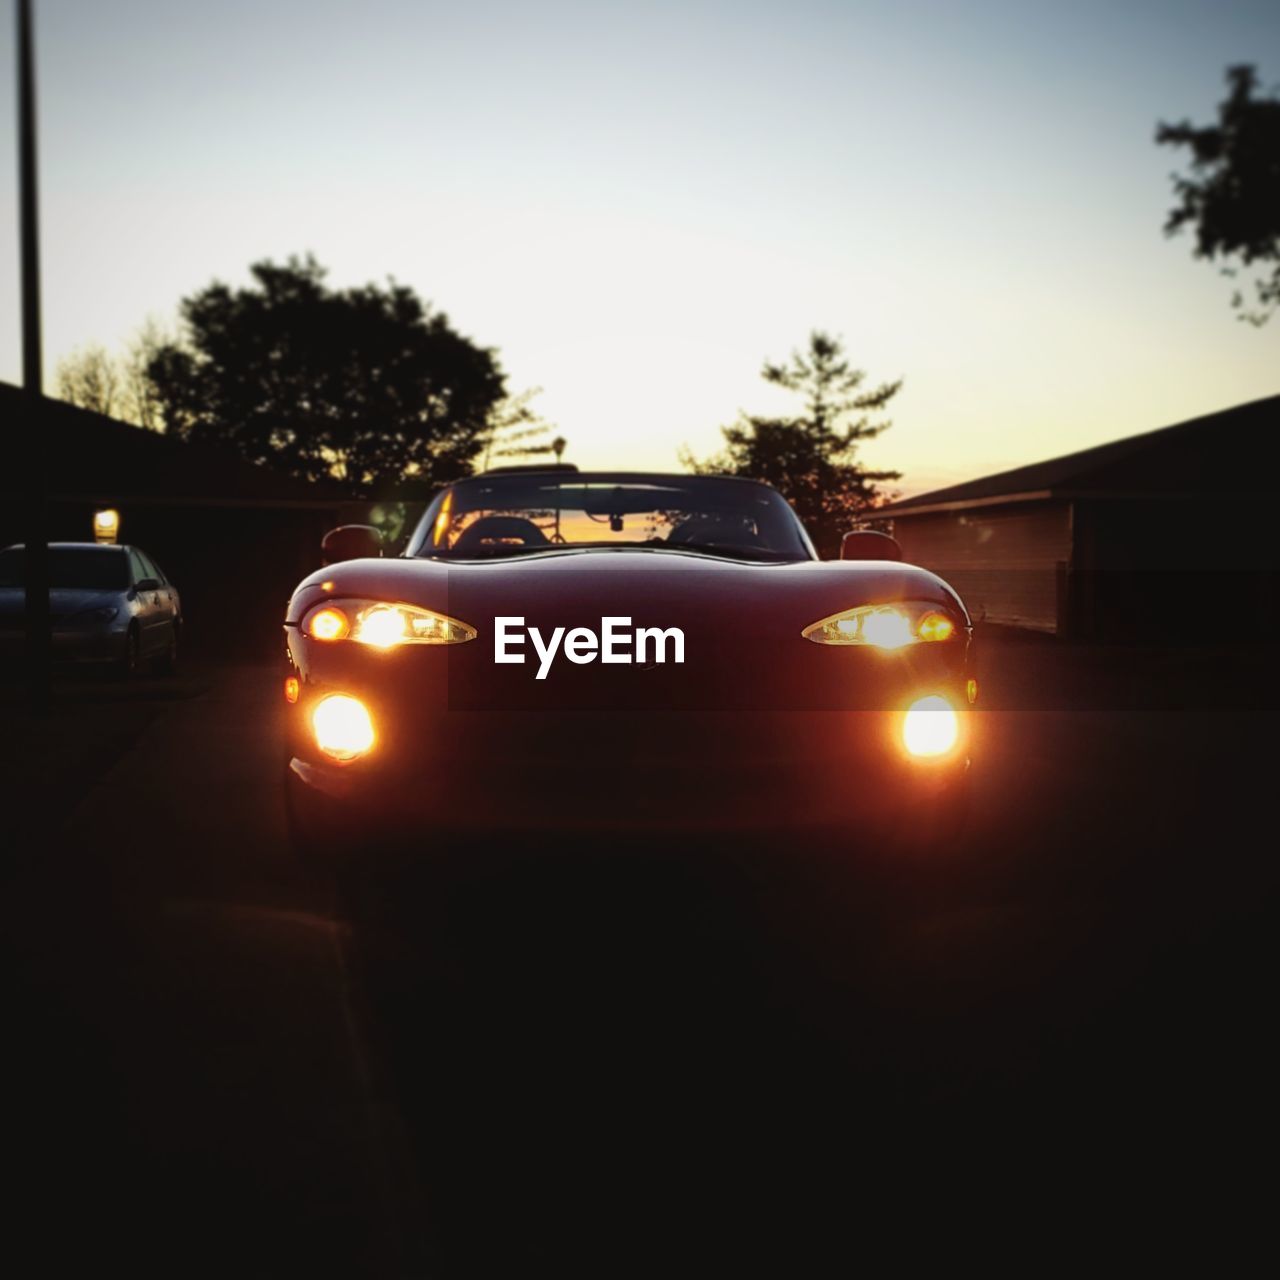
[(106, 525), (930, 727), (342, 727)]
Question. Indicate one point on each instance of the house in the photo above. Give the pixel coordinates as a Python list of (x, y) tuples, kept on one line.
[(235, 537), (1168, 535)]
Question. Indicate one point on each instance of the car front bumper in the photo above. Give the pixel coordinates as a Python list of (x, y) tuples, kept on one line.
[(79, 644), (470, 748), (863, 781)]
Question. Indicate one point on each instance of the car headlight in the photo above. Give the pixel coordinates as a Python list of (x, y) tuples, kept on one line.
[(90, 616), (886, 626), (382, 624)]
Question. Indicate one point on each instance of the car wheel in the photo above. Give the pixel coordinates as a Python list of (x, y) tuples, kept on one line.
[(167, 662)]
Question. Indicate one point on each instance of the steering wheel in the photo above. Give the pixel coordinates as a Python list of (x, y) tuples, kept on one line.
[(496, 529)]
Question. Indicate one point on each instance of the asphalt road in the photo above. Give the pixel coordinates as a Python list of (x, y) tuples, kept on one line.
[(609, 1056)]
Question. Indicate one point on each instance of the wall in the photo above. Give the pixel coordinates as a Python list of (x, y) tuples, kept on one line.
[(1007, 563)]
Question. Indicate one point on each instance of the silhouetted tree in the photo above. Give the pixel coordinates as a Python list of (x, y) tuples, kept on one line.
[(364, 385), (138, 402), (517, 431), (1232, 195), (810, 458), (88, 378), (119, 387)]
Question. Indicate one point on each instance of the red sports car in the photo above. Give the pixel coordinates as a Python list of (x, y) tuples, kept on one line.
[(622, 651)]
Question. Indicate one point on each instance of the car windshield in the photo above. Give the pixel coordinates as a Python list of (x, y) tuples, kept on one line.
[(90, 568), (510, 515)]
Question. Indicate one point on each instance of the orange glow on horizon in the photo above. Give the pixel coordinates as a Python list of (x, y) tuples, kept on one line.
[(442, 520)]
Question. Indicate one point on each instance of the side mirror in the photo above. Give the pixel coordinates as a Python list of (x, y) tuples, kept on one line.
[(866, 544), (350, 542), (147, 584)]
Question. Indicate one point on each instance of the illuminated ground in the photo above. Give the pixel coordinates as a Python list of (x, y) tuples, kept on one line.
[(558, 1051)]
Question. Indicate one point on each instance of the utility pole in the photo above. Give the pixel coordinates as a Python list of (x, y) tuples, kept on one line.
[(31, 448)]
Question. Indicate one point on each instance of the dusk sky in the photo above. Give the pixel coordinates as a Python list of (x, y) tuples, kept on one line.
[(637, 204)]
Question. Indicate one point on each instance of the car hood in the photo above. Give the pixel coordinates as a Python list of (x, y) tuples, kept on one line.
[(653, 588), (63, 601), (741, 626)]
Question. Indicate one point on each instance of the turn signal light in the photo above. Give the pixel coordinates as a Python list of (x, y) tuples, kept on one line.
[(935, 626), (328, 624)]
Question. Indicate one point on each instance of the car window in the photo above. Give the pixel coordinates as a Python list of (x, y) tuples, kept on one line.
[(138, 566), (506, 514), (92, 568), (153, 569)]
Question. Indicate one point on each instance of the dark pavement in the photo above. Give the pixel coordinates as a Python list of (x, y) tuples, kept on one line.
[(609, 1056)]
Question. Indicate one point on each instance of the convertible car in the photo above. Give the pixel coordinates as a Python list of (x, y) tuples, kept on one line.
[(621, 651)]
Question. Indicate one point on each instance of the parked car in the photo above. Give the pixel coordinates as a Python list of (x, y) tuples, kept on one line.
[(621, 650), (109, 604)]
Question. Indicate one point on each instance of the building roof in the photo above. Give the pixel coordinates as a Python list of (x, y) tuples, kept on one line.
[(99, 459), (1225, 452)]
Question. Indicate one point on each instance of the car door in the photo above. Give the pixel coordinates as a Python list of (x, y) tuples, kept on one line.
[(167, 596), (147, 604)]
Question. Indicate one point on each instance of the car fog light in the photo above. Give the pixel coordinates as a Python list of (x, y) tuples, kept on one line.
[(930, 727), (342, 727)]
